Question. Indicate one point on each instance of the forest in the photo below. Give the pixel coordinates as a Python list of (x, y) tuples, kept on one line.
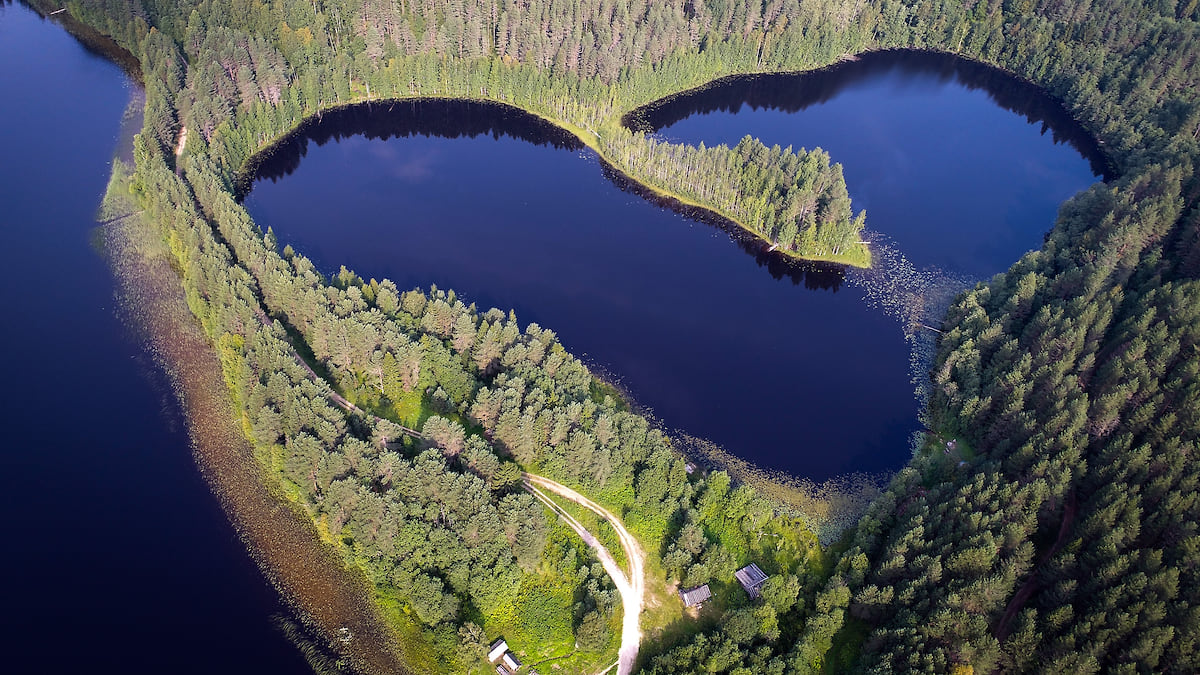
[(1064, 540)]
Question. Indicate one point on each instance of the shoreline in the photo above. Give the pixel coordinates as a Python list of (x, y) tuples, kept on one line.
[(277, 535), (243, 177), (188, 389), (325, 594), (636, 117)]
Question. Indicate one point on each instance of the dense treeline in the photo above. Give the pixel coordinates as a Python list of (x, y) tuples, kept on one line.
[(1058, 535), (798, 202), (1070, 543), (1057, 532), (254, 79), (439, 523), (484, 388)]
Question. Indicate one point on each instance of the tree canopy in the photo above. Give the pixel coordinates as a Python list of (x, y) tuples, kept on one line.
[(1060, 536)]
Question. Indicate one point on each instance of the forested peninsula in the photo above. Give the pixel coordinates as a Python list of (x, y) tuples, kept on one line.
[(1060, 534)]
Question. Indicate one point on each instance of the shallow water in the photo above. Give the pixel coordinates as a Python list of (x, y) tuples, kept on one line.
[(119, 557)]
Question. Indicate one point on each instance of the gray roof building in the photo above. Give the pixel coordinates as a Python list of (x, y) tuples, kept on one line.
[(751, 578), (696, 596)]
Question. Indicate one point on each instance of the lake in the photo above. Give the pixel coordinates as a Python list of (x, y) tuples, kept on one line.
[(128, 563), (797, 369)]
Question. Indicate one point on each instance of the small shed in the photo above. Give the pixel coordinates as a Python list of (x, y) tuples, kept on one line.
[(497, 650), (751, 578), (695, 597), (501, 670), (511, 661)]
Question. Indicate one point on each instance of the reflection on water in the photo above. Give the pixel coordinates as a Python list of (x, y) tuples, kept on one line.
[(814, 276), (130, 565), (794, 92), (309, 575), (402, 119), (480, 199)]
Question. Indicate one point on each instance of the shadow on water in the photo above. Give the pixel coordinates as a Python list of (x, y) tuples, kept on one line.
[(94, 42), (793, 92), (450, 119), (441, 118), (702, 338), (814, 276)]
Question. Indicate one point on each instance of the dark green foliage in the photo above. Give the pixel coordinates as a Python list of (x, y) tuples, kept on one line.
[(1068, 544), (795, 200)]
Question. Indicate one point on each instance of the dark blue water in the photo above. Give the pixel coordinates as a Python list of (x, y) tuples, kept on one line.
[(960, 166), (791, 371), (117, 559)]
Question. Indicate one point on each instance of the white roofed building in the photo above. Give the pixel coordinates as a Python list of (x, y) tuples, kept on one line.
[(497, 650)]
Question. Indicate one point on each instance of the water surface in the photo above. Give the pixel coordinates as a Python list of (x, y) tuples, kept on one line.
[(119, 558), (794, 371), (959, 164)]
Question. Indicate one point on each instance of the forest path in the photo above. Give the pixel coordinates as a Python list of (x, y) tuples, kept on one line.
[(339, 400), (1033, 583), (632, 587)]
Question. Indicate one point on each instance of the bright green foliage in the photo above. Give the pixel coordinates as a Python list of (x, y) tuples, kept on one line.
[(1067, 543)]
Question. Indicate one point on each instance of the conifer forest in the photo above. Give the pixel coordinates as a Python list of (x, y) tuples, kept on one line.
[(404, 423)]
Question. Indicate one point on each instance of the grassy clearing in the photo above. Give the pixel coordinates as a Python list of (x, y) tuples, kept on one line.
[(118, 201), (598, 526), (539, 623), (942, 456), (665, 621)]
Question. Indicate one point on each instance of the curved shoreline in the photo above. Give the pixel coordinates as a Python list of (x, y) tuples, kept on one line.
[(277, 535), (279, 538), (310, 576), (637, 118), (245, 175), (584, 138), (92, 40)]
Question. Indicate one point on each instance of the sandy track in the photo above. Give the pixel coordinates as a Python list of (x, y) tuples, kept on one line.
[(631, 586)]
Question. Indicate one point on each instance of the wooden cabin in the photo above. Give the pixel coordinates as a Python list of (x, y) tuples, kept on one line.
[(696, 596), (751, 578)]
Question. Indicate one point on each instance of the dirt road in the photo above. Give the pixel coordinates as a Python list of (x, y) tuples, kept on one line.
[(631, 585)]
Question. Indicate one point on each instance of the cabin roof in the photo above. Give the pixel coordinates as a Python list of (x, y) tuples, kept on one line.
[(695, 596), (497, 650), (751, 577)]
